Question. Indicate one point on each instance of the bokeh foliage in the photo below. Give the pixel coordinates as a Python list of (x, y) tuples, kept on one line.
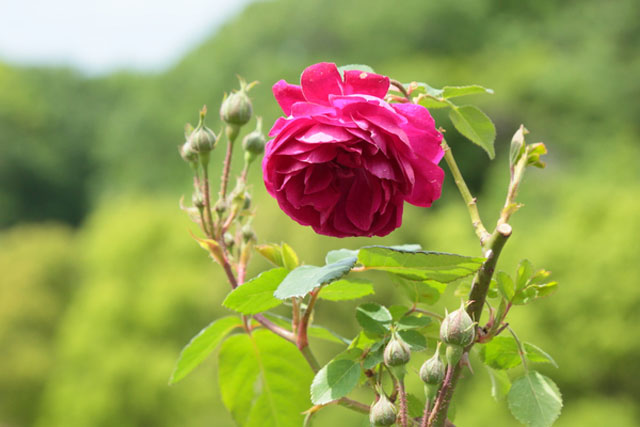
[(92, 317)]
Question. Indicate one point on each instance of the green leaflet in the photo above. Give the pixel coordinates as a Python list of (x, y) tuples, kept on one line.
[(202, 345), (264, 380), (305, 278), (346, 289), (476, 126), (256, 295), (535, 400), (420, 266)]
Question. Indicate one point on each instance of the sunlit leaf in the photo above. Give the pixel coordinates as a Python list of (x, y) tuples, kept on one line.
[(437, 266), (264, 380), (305, 278), (415, 339), (340, 254), (256, 295), (475, 126), (202, 345), (374, 318), (500, 383), (454, 91), (346, 289), (535, 400), (335, 380)]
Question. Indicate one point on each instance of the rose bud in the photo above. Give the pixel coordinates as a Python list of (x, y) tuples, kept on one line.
[(383, 412), (432, 374), (432, 371), (397, 352), (247, 201), (253, 143), (188, 154), (344, 161), (457, 328), (457, 331), (236, 108), (198, 200), (202, 139)]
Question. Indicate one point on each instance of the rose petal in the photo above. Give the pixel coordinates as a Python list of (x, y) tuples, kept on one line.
[(317, 178), (287, 94), (307, 109), (322, 154), (379, 166), (319, 81), (367, 83), (325, 133), (428, 184), (424, 137), (360, 203)]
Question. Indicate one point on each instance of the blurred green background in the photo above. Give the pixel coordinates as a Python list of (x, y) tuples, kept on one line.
[(101, 284)]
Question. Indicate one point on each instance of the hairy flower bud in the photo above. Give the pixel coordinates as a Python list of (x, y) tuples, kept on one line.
[(229, 240), (255, 141), (202, 139), (383, 412), (247, 234), (188, 154), (432, 371), (247, 201), (457, 328), (236, 108), (198, 200), (397, 352)]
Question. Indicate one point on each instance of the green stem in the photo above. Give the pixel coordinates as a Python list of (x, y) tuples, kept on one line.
[(482, 279), (208, 217), (520, 349), (479, 289), (232, 133), (510, 205), (311, 359), (469, 200)]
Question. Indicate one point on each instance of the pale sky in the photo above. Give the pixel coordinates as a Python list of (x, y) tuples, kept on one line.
[(104, 35)]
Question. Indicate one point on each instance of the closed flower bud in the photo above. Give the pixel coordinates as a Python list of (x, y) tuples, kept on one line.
[(383, 412), (198, 200), (229, 241), (202, 139), (220, 207), (432, 371), (397, 352), (236, 108), (247, 233), (247, 201), (255, 141), (457, 328), (188, 154)]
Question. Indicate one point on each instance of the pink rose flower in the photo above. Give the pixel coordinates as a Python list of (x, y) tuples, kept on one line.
[(344, 161)]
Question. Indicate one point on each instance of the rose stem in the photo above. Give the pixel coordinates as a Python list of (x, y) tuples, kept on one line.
[(470, 201), (479, 289)]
